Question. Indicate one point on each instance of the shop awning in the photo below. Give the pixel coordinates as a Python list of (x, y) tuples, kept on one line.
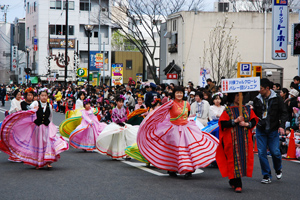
[(171, 68)]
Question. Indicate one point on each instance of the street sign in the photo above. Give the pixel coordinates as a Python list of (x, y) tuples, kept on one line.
[(280, 29), (244, 70), (82, 72), (27, 76), (14, 57), (172, 76), (240, 85), (35, 41)]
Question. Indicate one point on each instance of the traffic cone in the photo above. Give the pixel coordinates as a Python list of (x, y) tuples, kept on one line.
[(6, 97), (291, 153)]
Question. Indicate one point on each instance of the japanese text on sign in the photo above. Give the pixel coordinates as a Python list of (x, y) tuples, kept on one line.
[(240, 85), (280, 29)]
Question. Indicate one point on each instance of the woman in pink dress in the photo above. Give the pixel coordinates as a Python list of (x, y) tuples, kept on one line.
[(169, 141), (31, 135), (85, 135)]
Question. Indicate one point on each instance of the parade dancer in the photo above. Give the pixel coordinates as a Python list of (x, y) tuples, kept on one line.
[(31, 135), (25, 105), (235, 156), (85, 135), (169, 141), (15, 105), (117, 136)]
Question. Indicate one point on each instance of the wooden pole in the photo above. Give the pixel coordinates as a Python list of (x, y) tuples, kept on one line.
[(240, 103)]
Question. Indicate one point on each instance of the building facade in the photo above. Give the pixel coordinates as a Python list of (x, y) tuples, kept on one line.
[(46, 30), (189, 32), (5, 52)]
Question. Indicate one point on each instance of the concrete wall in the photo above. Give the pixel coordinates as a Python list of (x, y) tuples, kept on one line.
[(194, 29), (5, 52)]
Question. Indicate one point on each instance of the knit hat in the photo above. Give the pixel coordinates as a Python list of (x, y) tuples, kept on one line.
[(294, 92)]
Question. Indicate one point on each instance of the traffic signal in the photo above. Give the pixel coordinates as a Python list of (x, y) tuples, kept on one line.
[(27, 70), (257, 71)]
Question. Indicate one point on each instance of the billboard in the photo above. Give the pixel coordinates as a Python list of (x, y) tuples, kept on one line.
[(96, 61), (117, 74), (61, 43)]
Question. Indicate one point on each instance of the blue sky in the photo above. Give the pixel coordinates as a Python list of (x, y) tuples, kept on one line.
[(16, 9)]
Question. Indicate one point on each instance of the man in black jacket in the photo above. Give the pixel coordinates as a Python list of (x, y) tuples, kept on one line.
[(2, 94), (272, 113)]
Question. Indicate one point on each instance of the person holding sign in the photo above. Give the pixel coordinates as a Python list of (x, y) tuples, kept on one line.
[(272, 113), (235, 156)]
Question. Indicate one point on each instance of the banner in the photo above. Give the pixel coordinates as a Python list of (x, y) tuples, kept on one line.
[(139, 77), (240, 85), (14, 57), (117, 74), (204, 74)]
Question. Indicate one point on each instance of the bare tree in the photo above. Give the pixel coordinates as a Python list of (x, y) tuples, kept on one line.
[(139, 22), (257, 5), (222, 56)]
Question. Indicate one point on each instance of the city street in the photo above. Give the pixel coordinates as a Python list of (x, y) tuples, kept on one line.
[(80, 175)]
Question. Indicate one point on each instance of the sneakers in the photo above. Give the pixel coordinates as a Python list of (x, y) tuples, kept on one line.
[(238, 190), (279, 174), (266, 180)]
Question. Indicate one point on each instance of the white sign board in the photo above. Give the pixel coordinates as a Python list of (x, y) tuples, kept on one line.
[(240, 85), (280, 29), (14, 57)]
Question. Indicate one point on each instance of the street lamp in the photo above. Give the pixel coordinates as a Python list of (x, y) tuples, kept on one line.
[(88, 28)]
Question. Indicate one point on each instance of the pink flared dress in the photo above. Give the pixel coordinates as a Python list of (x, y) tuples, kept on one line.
[(31, 136), (169, 141), (85, 135)]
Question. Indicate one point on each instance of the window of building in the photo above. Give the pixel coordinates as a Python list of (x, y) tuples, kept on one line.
[(55, 4), (84, 5), (60, 29), (96, 34), (34, 6), (27, 33), (129, 64), (28, 7), (71, 5), (174, 25), (52, 4), (71, 30), (52, 29), (34, 30)]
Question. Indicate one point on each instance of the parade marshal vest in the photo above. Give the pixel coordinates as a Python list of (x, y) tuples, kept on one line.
[(41, 116)]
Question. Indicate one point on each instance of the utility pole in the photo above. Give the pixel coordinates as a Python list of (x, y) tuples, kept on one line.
[(66, 42), (99, 39), (4, 8)]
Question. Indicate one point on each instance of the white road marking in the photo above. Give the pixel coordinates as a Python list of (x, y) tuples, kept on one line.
[(143, 167)]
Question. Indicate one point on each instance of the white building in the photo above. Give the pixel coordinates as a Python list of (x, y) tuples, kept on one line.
[(189, 31), (45, 23), (5, 52)]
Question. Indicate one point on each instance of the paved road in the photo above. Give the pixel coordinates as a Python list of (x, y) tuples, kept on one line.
[(79, 175)]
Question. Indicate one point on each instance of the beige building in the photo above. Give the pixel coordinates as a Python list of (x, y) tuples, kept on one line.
[(192, 29)]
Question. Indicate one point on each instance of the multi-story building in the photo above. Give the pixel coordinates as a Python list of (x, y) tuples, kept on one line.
[(46, 30), (5, 52), (18, 32), (189, 35)]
